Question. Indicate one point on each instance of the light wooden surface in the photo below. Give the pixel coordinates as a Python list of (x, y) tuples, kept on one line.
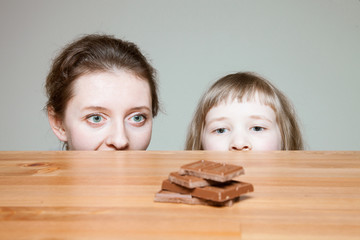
[(109, 195)]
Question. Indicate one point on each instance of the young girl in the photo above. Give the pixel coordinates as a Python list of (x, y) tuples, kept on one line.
[(102, 95), (243, 111)]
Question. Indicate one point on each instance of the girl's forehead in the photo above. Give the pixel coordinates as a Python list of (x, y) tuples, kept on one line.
[(256, 98), (234, 109)]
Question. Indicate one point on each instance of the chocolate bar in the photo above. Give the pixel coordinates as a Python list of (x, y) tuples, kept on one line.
[(173, 187), (204, 182), (218, 193), (189, 181), (224, 192), (172, 197), (220, 172)]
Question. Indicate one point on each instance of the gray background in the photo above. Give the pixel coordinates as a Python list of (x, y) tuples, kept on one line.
[(308, 49)]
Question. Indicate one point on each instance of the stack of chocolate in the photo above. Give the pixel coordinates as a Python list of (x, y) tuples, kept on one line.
[(204, 182)]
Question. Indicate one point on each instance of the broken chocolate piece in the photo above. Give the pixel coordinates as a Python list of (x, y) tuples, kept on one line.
[(223, 192), (189, 181), (173, 187), (218, 193), (220, 172), (172, 197)]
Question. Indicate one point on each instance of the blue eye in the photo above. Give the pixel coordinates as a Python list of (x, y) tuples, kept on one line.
[(95, 119), (221, 130), (257, 129), (138, 118)]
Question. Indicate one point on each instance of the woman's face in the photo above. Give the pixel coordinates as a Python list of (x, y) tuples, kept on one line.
[(108, 111)]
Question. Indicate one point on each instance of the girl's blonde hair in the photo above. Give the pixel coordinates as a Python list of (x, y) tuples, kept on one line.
[(246, 86)]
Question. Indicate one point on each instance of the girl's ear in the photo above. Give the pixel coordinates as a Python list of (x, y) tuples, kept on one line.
[(56, 125)]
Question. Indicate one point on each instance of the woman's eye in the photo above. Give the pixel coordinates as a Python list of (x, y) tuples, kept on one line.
[(95, 119), (138, 118), (257, 129), (221, 130)]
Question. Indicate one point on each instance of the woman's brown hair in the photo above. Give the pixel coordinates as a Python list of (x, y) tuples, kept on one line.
[(94, 53)]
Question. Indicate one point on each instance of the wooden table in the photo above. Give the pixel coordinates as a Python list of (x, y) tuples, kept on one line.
[(109, 195)]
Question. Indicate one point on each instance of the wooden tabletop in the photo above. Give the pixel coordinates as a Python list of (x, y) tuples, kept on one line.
[(109, 195)]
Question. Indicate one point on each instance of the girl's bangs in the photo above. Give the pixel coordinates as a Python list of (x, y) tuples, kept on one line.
[(250, 94)]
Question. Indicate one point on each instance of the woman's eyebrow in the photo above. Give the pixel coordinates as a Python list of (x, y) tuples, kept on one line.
[(95, 108), (99, 108), (141, 108)]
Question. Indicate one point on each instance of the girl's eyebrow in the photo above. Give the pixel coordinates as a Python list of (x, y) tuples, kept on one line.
[(218, 119), (260, 117)]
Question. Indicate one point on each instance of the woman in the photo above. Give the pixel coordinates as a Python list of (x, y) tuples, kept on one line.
[(102, 95)]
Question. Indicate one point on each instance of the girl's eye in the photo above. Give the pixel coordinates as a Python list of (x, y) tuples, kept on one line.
[(257, 129), (95, 119), (138, 118), (221, 130)]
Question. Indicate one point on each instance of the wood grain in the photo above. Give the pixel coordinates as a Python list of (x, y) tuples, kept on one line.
[(109, 195)]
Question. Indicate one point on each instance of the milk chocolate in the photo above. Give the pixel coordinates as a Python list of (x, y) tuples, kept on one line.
[(172, 197), (224, 192), (218, 193), (220, 172), (173, 187), (189, 181)]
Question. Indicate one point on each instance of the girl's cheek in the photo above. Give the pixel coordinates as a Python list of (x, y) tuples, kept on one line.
[(272, 145), (212, 143)]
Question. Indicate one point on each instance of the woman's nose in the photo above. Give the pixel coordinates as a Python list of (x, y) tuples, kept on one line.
[(240, 143), (117, 138)]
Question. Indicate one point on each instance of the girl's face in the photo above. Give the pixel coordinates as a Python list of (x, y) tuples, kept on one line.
[(108, 111), (234, 125)]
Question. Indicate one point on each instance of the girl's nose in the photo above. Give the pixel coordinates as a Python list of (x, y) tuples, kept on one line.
[(117, 138), (240, 143)]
